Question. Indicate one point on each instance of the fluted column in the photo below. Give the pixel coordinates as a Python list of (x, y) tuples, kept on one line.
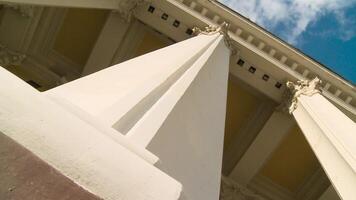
[(330, 133), (73, 147), (171, 101)]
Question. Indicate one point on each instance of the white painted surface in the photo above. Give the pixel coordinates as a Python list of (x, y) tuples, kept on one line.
[(109, 131), (130, 88), (190, 141), (76, 149), (331, 134), (269, 138), (146, 128), (175, 95)]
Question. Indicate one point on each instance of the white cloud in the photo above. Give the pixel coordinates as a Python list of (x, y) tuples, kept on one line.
[(294, 15)]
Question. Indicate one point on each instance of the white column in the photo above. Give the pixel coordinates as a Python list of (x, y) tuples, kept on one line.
[(273, 132), (120, 95), (154, 118), (330, 133), (185, 128), (171, 100), (77, 149)]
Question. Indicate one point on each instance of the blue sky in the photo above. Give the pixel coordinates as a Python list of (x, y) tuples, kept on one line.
[(323, 29)]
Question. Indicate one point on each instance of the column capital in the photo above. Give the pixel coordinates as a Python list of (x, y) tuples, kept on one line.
[(295, 90), (223, 29)]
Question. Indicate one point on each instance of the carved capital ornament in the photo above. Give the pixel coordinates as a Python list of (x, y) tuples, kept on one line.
[(295, 90), (223, 29)]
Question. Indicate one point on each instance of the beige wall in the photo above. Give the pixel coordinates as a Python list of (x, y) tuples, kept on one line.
[(79, 32), (292, 162), (240, 105), (150, 42)]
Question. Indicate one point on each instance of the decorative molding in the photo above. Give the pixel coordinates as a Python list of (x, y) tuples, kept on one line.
[(23, 10), (254, 76), (230, 190), (126, 8), (10, 57), (223, 29), (295, 90), (211, 29), (207, 11), (330, 134), (302, 87)]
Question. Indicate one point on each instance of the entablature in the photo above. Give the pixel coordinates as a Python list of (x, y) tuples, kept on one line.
[(263, 50)]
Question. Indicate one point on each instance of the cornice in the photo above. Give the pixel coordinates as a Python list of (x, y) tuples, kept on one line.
[(302, 67)]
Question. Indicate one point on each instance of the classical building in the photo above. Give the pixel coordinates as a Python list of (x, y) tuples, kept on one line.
[(165, 100)]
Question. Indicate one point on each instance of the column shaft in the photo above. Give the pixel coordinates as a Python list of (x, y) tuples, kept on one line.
[(331, 134)]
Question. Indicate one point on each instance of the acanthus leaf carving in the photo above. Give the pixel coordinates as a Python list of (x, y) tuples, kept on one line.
[(295, 90), (223, 29)]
